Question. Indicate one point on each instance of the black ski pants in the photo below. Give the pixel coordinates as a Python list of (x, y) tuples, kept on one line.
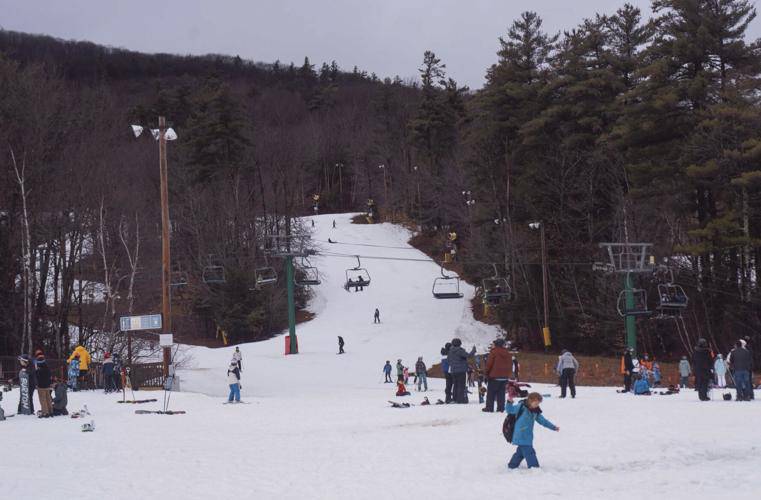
[(567, 380), (459, 387), (627, 381), (495, 388), (448, 388), (701, 385)]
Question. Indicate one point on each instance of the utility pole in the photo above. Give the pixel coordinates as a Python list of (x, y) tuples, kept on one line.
[(166, 307), (545, 288)]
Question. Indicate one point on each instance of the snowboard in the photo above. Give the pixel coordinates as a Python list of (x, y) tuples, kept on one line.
[(139, 401), (394, 404), (160, 412), (25, 402)]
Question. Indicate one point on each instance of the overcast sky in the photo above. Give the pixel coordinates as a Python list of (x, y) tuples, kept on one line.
[(387, 37)]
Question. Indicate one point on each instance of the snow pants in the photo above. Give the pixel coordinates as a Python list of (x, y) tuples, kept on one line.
[(422, 380), (388, 378), (459, 387), (448, 387), (684, 382), (721, 380), (234, 392), (742, 384), (46, 402), (522, 452), (627, 382), (701, 385), (110, 382), (495, 388), (566, 380)]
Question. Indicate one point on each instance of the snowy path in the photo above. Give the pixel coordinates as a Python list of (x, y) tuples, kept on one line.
[(319, 426)]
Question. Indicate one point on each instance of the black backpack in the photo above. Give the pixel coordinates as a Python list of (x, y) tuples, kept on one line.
[(508, 426)]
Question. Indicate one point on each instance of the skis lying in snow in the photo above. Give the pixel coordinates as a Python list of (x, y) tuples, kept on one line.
[(394, 404), (160, 412), (236, 403), (139, 401)]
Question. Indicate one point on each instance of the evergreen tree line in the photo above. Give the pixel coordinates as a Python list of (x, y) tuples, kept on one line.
[(619, 129)]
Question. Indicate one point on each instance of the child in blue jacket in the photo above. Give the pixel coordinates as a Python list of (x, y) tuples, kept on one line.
[(527, 412)]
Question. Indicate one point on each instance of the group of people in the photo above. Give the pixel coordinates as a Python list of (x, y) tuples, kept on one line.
[(640, 374), (35, 374), (403, 374)]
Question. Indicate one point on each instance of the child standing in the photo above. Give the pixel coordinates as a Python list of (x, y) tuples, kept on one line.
[(527, 412), (233, 380), (656, 374)]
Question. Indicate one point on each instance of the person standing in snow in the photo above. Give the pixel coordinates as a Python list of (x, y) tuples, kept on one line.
[(445, 370), (656, 374), (376, 316), (387, 372), (627, 368), (497, 374), (567, 368), (233, 380), (107, 370), (238, 358), (458, 366), (720, 369), (421, 374), (406, 373), (751, 385), (334, 223), (684, 372), (340, 345), (84, 365), (44, 386), (73, 372), (741, 362), (399, 370), (702, 367), (527, 413), (516, 369)]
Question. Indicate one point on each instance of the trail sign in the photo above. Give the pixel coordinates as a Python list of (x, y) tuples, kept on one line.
[(132, 323)]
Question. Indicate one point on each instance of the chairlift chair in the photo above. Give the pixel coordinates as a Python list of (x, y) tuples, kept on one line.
[(640, 304), (357, 276), (308, 275), (496, 289), (446, 287), (671, 297), (213, 273), (264, 276), (178, 278)]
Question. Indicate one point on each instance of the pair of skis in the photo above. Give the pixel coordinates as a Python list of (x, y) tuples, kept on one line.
[(160, 412)]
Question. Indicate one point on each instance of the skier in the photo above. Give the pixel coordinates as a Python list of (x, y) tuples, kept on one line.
[(458, 366), (516, 369), (340, 345), (233, 380), (27, 383), (334, 223), (387, 372), (376, 316), (399, 370), (627, 368), (84, 363), (108, 373), (702, 367), (44, 384), (61, 399), (445, 370), (567, 368), (527, 412), (720, 369), (684, 372), (421, 373), (741, 362), (497, 373), (237, 358), (73, 372)]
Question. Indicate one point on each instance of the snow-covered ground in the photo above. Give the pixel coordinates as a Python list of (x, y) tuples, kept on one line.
[(319, 425)]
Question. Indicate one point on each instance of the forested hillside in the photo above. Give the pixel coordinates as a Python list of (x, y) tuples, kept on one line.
[(618, 129)]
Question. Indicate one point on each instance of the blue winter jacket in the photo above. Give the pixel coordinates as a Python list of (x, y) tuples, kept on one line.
[(641, 386), (523, 435)]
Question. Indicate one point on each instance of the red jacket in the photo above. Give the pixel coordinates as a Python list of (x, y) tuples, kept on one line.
[(499, 363)]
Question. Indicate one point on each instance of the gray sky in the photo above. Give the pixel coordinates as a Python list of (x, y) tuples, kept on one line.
[(387, 37)]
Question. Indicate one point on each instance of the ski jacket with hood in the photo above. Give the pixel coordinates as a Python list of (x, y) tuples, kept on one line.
[(702, 364), (458, 359), (566, 361), (498, 364), (684, 368), (84, 357), (523, 435)]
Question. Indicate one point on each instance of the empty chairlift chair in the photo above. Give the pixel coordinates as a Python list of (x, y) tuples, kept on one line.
[(213, 273), (639, 306), (446, 287), (264, 276), (307, 275), (357, 277)]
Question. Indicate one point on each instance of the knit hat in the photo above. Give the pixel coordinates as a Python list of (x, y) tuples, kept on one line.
[(456, 342), (107, 355), (499, 342), (702, 342)]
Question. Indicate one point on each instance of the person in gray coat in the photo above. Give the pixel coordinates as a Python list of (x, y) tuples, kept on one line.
[(684, 372), (566, 368), (458, 367)]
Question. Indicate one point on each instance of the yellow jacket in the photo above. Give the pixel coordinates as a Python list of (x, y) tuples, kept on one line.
[(84, 357)]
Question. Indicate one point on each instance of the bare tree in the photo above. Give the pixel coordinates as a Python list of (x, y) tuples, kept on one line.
[(28, 279)]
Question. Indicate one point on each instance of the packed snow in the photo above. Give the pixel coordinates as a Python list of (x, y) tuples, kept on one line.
[(319, 425)]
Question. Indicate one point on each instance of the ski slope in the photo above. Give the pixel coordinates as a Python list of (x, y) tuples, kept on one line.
[(318, 425)]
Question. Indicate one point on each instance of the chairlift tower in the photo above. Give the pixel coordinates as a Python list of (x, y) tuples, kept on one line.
[(627, 259)]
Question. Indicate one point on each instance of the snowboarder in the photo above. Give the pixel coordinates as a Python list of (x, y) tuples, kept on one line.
[(497, 373), (376, 316), (387, 372), (527, 412), (516, 369), (44, 386), (233, 380), (399, 370), (27, 383), (60, 399), (702, 367), (627, 368), (401, 390), (84, 364), (684, 372), (740, 361), (720, 369), (73, 372), (567, 368), (421, 373), (237, 358), (108, 373), (458, 367), (340, 345)]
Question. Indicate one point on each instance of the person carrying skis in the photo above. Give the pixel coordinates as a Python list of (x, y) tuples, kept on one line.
[(720, 369), (627, 368), (237, 358), (567, 368), (702, 367), (376, 316), (399, 370), (73, 371), (458, 366), (527, 413), (340, 345), (684, 372), (387, 372), (497, 374), (108, 373), (421, 374), (233, 380)]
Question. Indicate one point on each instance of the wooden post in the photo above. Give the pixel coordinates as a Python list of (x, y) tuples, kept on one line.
[(166, 309)]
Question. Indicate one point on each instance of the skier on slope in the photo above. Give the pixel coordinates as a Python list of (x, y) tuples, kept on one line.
[(567, 368), (376, 316), (340, 345), (387, 372), (237, 358), (233, 380), (420, 373)]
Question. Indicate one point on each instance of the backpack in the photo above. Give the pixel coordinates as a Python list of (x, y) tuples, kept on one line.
[(508, 426)]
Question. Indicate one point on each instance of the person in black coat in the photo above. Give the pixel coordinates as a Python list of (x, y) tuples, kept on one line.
[(447, 374), (340, 345), (747, 346), (44, 386), (458, 367), (628, 369), (702, 367)]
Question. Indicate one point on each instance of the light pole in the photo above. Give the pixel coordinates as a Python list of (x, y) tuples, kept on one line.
[(545, 292), (162, 134)]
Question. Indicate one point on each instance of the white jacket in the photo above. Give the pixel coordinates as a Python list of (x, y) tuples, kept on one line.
[(232, 377)]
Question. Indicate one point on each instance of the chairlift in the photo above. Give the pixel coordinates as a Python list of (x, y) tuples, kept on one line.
[(640, 304), (213, 273), (357, 277), (178, 278), (307, 275), (496, 289), (264, 276), (671, 298), (446, 287)]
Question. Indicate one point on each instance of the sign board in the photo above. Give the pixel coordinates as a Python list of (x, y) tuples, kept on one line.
[(132, 323), (166, 340)]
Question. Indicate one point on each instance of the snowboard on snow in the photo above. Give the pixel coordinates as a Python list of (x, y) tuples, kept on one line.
[(139, 401)]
